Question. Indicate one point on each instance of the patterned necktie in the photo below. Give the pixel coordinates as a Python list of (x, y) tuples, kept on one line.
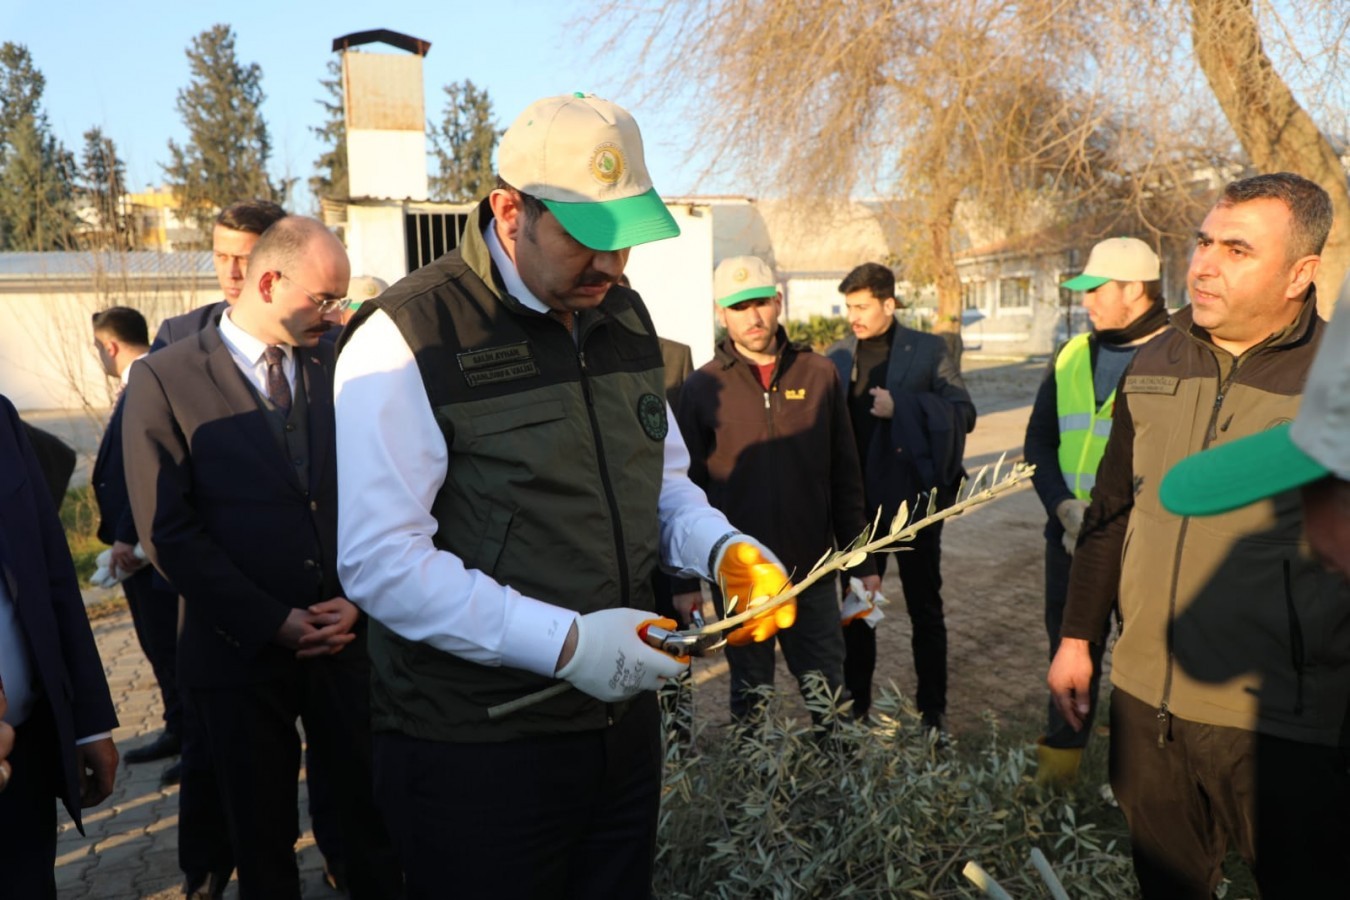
[(278, 388)]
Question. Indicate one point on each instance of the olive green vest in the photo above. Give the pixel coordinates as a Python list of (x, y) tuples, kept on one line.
[(556, 453), (1083, 427)]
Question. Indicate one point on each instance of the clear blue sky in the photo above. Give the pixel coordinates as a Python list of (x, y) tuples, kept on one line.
[(120, 65)]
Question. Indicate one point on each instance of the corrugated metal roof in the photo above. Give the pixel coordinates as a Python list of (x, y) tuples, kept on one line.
[(77, 264)]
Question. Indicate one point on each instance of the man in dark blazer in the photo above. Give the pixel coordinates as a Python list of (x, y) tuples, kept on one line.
[(236, 230), (231, 472), (911, 413), (56, 693), (121, 337)]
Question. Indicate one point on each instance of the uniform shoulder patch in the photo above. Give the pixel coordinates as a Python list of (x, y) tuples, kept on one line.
[(651, 413)]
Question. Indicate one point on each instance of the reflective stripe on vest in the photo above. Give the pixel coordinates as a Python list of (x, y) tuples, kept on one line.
[(1083, 428)]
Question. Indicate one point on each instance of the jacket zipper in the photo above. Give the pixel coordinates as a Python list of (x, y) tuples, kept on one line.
[(1210, 435), (619, 543)]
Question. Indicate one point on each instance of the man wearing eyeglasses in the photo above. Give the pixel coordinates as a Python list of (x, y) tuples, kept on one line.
[(232, 477)]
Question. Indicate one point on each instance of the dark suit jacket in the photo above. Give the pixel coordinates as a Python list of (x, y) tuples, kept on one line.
[(220, 510), (175, 328), (910, 456), (56, 458), (40, 580), (110, 485)]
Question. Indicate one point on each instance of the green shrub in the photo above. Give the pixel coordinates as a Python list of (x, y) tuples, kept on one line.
[(779, 809), (79, 517)]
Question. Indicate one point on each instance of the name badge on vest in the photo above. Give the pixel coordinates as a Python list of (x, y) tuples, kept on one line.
[(1151, 384), (509, 362)]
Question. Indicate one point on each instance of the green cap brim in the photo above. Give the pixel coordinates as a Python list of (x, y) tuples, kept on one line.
[(747, 294), (1084, 283), (617, 224), (1230, 476)]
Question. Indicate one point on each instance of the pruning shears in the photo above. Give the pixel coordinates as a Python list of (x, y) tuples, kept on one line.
[(680, 643)]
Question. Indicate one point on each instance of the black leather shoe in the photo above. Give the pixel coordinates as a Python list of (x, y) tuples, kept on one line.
[(162, 747), (172, 775), (212, 887)]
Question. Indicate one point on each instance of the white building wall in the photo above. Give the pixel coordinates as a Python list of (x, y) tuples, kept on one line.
[(375, 242), (47, 355), (674, 278), (387, 164)]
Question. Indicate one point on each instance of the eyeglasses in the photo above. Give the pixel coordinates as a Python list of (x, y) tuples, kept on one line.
[(330, 305)]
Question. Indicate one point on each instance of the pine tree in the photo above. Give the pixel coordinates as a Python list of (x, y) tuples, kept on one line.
[(331, 182), (37, 210), (225, 157), (103, 181), (463, 144)]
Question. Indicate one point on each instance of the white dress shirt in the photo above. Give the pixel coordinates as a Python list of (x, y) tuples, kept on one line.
[(248, 354), (392, 461)]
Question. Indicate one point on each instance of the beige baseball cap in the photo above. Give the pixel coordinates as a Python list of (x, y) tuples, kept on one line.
[(582, 156), (740, 278), (1117, 259), (365, 287), (1282, 458)]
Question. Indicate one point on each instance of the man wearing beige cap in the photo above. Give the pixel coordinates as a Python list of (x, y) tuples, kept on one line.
[(769, 440), (1232, 669), (510, 477), (1066, 435)]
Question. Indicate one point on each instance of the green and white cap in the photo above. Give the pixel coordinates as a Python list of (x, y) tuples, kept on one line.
[(1117, 259), (1287, 456), (365, 287), (582, 156), (740, 278)]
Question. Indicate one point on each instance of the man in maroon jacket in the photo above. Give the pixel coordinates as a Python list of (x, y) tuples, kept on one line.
[(770, 442)]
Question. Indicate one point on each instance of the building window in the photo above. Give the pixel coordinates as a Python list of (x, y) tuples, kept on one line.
[(1014, 293), (429, 235), (976, 295)]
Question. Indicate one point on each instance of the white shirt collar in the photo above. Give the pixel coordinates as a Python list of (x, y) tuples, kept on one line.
[(514, 286), (245, 344), (126, 373)]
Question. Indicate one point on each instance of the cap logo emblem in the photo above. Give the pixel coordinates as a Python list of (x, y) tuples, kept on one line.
[(740, 274), (607, 163)]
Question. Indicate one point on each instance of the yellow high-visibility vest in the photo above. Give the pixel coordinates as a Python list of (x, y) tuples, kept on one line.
[(1083, 427)]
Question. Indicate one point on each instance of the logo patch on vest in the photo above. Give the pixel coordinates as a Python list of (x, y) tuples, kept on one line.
[(798, 394), (490, 365), (651, 413), (1151, 384)]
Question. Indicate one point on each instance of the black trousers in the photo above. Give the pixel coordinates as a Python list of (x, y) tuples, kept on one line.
[(154, 613), (920, 569), (255, 754), (813, 644), (1059, 733), (568, 815), (203, 836), (1283, 805), (28, 809)]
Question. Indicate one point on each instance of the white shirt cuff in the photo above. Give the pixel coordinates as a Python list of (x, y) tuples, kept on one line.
[(535, 634), (92, 738)]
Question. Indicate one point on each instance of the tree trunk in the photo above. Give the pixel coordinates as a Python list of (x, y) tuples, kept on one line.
[(945, 277), (1276, 132)]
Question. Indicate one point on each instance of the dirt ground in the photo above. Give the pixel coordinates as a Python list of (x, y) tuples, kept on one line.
[(992, 567)]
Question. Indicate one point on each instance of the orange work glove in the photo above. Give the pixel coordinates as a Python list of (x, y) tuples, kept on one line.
[(748, 571)]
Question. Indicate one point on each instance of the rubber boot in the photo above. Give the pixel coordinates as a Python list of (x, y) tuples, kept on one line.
[(1057, 766)]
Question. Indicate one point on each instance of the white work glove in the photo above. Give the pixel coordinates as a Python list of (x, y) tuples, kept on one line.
[(611, 662), (859, 603), (1070, 514)]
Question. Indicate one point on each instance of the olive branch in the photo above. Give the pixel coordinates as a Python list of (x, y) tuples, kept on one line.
[(972, 492)]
